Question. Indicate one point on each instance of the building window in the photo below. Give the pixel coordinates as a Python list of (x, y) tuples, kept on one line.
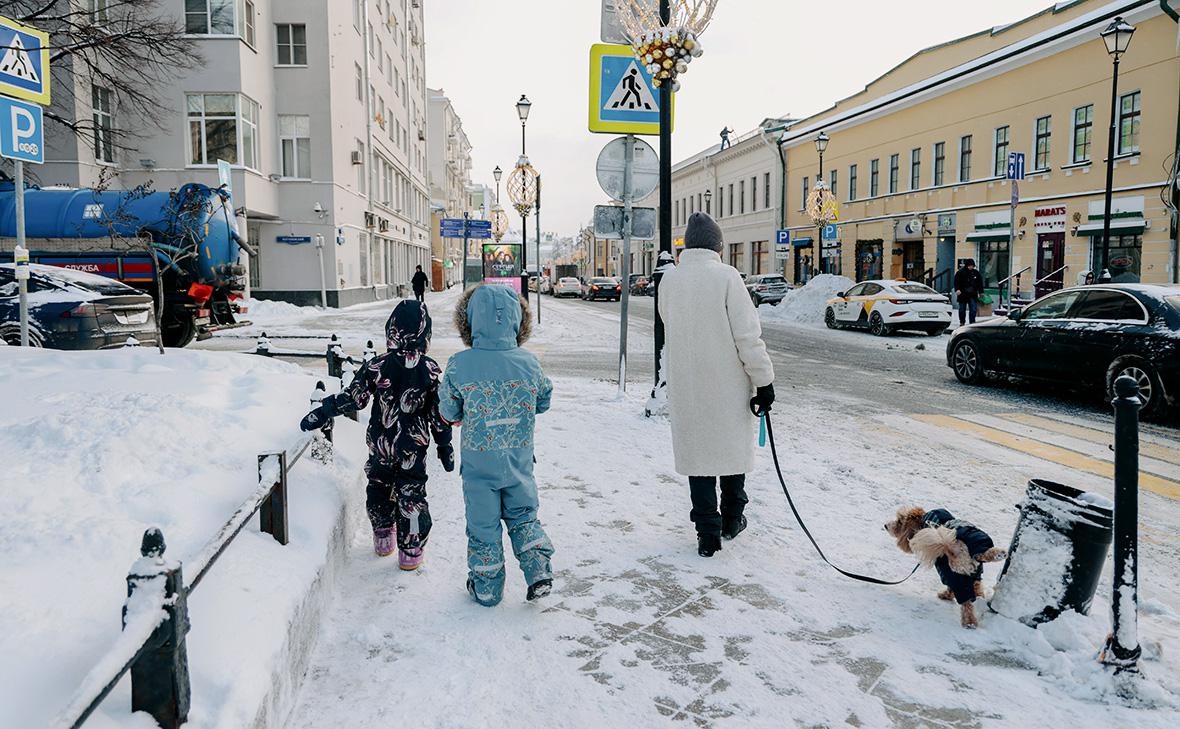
[(292, 44), (1044, 135), (766, 190), (1129, 114), (209, 17), (939, 163), (760, 257), (851, 182), (357, 13), (295, 146), (720, 202), (360, 83), (915, 169), (742, 197), (98, 10), (965, 159), (737, 256), (874, 177), (1083, 131), (246, 10), (1126, 257), (700, 203), (894, 169), (1000, 155), (223, 127), (994, 261), (833, 177), (731, 198), (806, 188), (104, 123), (754, 194)]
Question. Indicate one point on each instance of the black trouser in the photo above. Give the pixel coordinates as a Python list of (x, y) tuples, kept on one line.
[(398, 498), (420, 294), (704, 501)]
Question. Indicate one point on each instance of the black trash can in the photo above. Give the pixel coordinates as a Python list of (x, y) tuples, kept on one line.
[(1057, 553)]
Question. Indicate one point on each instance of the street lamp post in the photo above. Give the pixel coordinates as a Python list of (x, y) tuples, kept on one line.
[(1117, 37), (709, 202), (821, 146), (522, 110)]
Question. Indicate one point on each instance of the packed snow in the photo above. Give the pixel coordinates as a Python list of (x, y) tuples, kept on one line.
[(806, 305)]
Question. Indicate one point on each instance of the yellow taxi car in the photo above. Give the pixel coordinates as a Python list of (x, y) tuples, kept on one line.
[(884, 307)]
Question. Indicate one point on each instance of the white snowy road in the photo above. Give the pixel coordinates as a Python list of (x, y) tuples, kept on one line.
[(641, 631)]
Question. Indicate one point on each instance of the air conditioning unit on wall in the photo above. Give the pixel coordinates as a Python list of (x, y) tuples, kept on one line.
[(370, 220), (356, 157)]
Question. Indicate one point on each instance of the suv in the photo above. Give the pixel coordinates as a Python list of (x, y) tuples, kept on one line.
[(767, 288)]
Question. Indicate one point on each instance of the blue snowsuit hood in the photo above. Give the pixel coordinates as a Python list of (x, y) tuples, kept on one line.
[(494, 316)]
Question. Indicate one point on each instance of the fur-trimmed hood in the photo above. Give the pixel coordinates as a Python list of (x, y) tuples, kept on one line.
[(486, 318)]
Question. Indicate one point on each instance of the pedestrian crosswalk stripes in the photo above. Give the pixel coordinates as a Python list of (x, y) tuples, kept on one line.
[(1151, 450), (1062, 456)]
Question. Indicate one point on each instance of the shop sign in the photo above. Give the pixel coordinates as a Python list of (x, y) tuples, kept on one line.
[(1049, 219), (947, 223)]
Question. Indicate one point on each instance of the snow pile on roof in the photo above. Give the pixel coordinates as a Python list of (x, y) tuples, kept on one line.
[(806, 305), (99, 446)]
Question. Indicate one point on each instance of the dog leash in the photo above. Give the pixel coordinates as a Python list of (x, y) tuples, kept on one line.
[(765, 417)]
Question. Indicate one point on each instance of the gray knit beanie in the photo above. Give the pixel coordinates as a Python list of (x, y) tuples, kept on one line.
[(702, 232)]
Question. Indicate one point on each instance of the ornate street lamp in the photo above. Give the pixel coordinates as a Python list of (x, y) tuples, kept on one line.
[(709, 202), (1117, 37), (822, 207)]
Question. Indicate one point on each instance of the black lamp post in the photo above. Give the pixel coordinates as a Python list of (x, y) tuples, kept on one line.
[(522, 110), (821, 146), (708, 202), (497, 174), (1117, 37)]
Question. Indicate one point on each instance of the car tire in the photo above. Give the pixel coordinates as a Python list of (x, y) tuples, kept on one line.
[(10, 333), (757, 301), (1151, 389), (967, 362), (830, 319), (878, 326)]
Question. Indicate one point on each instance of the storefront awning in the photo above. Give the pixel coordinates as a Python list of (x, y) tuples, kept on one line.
[(983, 236), (1118, 226)]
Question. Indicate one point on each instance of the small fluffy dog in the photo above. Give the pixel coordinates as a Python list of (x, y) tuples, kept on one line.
[(955, 548)]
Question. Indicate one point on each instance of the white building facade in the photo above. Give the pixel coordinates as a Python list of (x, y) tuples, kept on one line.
[(320, 106)]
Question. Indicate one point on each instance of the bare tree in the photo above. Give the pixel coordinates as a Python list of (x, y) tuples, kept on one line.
[(134, 48)]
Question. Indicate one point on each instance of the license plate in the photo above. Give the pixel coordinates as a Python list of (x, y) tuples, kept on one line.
[(126, 319), (928, 314)]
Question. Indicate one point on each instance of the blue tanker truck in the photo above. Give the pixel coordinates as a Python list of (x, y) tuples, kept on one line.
[(181, 247)]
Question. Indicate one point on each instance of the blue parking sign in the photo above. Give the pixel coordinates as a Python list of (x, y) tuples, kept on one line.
[(21, 131), (831, 232), (782, 236)]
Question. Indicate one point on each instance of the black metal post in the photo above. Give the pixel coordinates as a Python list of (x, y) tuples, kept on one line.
[(665, 252), (817, 251), (466, 245), (272, 513), (1104, 275), (1122, 649), (524, 229), (159, 676), (539, 268), (334, 356)]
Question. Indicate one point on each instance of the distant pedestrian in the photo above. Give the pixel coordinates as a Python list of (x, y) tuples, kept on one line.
[(403, 385), (716, 361), (419, 282), (968, 289), (495, 390)]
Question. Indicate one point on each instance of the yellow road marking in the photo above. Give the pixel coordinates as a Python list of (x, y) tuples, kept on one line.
[(1052, 453), (1093, 435)]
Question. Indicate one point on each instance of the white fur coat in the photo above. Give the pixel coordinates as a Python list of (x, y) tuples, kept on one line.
[(715, 359)]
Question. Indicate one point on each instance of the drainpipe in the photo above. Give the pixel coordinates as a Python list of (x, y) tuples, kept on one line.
[(369, 164), (1174, 231)]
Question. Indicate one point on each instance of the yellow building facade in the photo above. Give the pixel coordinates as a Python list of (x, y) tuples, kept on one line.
[(918, 161)]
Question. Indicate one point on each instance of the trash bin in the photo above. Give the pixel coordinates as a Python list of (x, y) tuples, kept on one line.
[(1056, 555)]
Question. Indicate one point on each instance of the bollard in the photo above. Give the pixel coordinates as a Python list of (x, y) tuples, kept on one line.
[(159, 676), (1122, 649), (317, 399), (335, 357), (263, 346), (272, 513), (347, 374), (370, 352)]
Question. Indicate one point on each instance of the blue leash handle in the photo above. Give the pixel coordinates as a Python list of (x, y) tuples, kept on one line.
[(762, 430)]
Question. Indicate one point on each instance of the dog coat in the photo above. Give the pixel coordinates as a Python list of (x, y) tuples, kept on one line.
[(977, 541)]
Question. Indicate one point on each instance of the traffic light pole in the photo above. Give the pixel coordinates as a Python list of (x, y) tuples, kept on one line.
[(665, 255)]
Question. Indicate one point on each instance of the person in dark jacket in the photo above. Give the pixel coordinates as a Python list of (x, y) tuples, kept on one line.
[(419, 282), (404, 417), (968, 288)]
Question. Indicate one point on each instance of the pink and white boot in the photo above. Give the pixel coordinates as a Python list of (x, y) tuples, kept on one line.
[(410, 559), (384, 541)]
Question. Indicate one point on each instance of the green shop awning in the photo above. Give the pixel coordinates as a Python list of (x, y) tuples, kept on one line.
[(1118, 226), (989, 234)]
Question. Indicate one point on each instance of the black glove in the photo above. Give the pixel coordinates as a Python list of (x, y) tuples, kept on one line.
[(446, 454), (315, 420), (762, 400)]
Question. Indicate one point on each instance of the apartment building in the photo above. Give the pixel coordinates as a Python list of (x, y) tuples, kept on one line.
[(918, 160), (449, 177), (320, 107)]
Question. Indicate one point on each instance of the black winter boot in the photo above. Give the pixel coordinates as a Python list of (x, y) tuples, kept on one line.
[(732, 528), (540, 588), (708, 544)]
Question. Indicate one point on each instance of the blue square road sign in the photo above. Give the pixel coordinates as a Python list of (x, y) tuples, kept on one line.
[(22, 133), (24, 62)]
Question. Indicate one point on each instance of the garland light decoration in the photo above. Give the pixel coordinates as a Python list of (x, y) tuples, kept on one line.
[(666, 50)]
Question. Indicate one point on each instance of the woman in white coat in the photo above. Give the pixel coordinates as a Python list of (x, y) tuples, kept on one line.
[(715, 361)]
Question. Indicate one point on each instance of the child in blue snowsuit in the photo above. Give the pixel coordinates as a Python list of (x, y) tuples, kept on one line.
[(496, 390)]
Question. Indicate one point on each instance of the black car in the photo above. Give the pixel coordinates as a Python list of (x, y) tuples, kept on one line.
[(603, 288), (74, 310), (1089, 336)]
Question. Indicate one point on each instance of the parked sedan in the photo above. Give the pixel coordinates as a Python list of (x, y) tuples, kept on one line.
[(1088, 336), (884, 307), (74, 310), (567, 286), (767, 288), (608, 289)]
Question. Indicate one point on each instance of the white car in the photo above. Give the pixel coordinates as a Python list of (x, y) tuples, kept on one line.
[(884, 307), (568, 286)]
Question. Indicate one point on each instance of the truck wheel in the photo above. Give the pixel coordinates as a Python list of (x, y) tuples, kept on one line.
[(177, 331)]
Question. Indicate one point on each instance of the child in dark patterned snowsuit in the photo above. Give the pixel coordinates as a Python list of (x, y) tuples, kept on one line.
[(404, 417)]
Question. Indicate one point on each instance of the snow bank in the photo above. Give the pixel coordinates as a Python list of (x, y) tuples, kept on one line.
[(99, 446), (806, 305)]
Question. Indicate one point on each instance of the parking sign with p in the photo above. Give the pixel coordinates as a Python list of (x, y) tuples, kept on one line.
[(22, 134)]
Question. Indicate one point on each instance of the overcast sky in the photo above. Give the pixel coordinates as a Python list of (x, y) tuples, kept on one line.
[(762, 58)]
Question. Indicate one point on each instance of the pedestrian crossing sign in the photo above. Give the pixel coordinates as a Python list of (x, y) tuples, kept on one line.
[(24, 62), (622, 97)]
